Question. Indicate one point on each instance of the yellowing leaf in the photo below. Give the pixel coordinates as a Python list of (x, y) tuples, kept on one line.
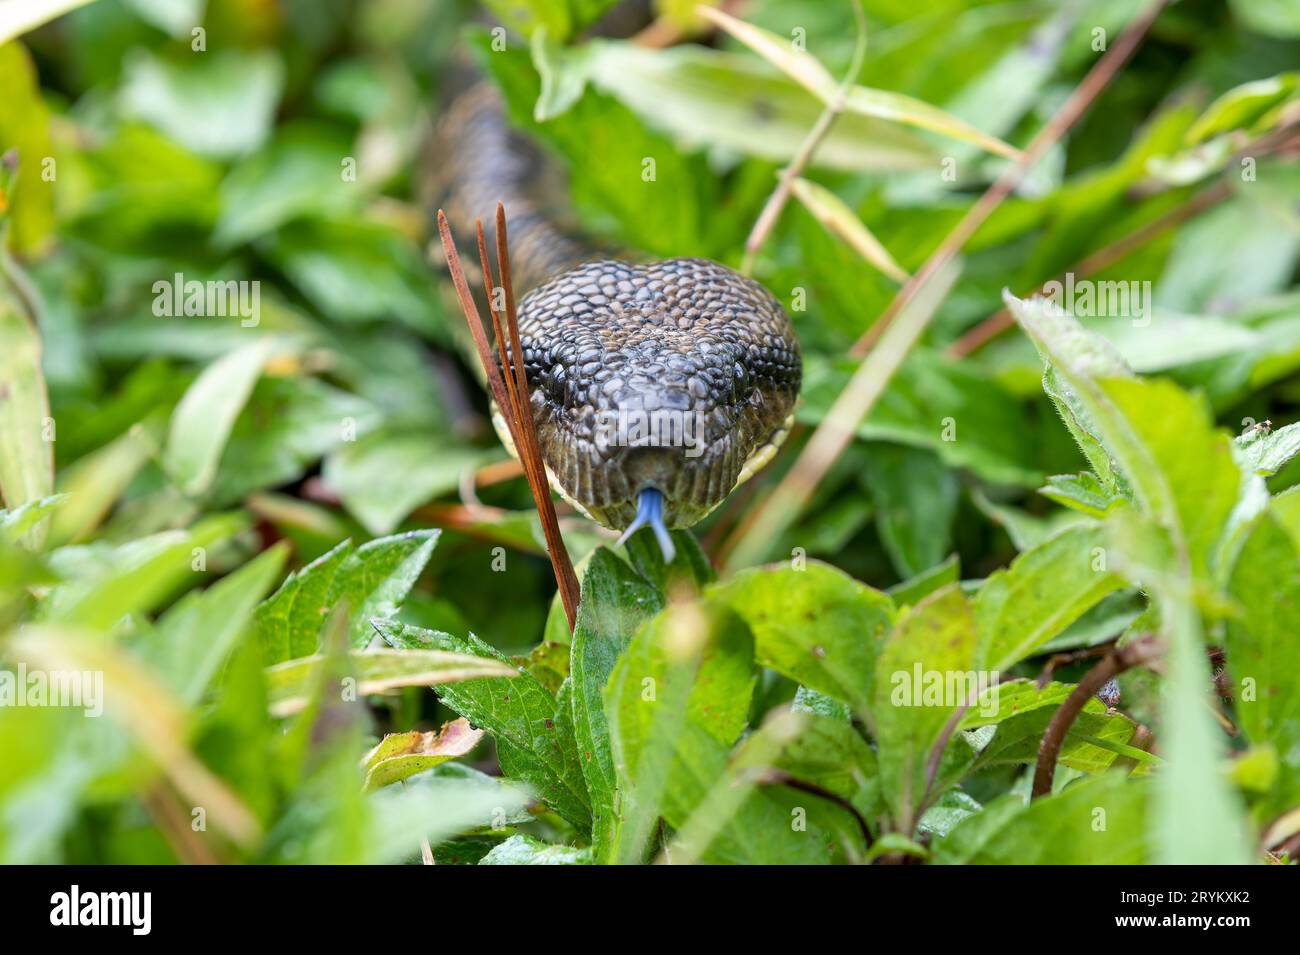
[(399, 755), (840, 221)]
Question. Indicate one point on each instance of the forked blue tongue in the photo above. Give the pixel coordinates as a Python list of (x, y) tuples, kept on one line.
[(650, 511)]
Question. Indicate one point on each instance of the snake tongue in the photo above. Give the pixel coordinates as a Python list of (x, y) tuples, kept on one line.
[(650, 511)]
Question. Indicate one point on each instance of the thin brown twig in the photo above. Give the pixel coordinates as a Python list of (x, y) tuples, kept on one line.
[(835, 432), (512, 399), (1071, 656), (1137, 653), (497, 472), (935, 757)]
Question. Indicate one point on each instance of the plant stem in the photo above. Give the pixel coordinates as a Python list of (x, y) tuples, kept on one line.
[(1119, 659)]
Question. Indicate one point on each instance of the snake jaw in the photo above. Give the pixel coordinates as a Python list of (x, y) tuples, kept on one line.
[(650, 513)]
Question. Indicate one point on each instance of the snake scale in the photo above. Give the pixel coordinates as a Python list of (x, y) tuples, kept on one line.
[(657, 386)]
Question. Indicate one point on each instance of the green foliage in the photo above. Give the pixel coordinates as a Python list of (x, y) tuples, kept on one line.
[(272, 518)]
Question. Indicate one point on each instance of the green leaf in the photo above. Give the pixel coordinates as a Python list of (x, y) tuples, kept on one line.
[(355, 269), (26, 456), (528, 850), (676, 700), (289, 684), (1263, 653), (374, 579), (1277, 18), (706, 96), (690, 566), (17, 18), (1197, 816), (383, 477), (133, 578), (1098, 821), (434, 806), (289, 621), (522, 717), (841, 221), (193, 639), (1266, 452), (202, 422), (805, 70), (748, 815), (176, 17), (1025, 530), (1045, 589), (24, 128), (916, 501), (297, 174), (219, 104), (17, 522), (936, 403), (95, 482), (823, 750), (912, 591), (935, 639), (526, 16), (816, 625), (288, 424), (1243, 106), (399, 755), (615, 602), (1180, 468), (1081, 492)]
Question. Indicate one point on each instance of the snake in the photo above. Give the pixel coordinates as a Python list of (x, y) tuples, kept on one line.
[(657, 386)]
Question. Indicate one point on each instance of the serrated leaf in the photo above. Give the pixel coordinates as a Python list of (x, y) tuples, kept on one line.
[(1081, 492), (533, 744), (376, 577), (289, 621), (1180, 469)]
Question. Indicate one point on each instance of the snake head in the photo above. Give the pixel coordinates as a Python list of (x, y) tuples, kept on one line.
[(678, 377)]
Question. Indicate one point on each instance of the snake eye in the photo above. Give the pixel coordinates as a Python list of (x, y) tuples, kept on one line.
[(742, 379), (556, 384)]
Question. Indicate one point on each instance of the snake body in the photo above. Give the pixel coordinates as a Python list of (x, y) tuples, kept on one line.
[(657, 386)]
